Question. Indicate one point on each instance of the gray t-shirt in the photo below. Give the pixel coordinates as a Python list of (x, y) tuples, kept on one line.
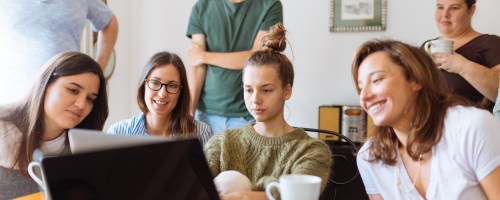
[(34, 31)]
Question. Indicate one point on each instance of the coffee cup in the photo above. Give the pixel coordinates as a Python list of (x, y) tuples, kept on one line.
[(443, 46), (35, 169), (40, 180), (296, 187)]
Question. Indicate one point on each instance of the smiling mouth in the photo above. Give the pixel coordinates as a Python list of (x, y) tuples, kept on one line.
[(77, 115), (375, 106), (161, 102)]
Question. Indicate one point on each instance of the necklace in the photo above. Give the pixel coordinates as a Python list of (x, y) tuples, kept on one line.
[(416, 175)]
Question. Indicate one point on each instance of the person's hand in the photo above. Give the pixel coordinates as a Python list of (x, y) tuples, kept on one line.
[(245, 195), (195, 55), (235, 196), (453, 63)]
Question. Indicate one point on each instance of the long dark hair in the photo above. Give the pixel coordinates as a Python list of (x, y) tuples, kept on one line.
[(181, 122), (431, 105), (28, 114)]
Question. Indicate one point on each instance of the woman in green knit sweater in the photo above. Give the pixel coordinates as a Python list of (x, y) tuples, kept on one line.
[(245, 160)]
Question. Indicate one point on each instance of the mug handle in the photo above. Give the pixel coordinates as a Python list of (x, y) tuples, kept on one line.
[(426, 47), (269, 186), (33, 175)]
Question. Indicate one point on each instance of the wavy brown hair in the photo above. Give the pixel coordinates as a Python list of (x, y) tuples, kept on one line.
[(181, 122), (270, 54), (432, 101), (28, 114)]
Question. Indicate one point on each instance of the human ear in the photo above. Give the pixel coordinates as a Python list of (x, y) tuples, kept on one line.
[(415, 86), (471, 10), (288, 92)]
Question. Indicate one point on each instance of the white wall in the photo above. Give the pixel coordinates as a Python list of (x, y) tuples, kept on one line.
[(119, 83), (322, 59)]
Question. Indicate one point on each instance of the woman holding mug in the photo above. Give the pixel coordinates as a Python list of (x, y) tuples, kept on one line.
[(163, 97), (69, 92), (473, 69), (427, 143), (246, 159)]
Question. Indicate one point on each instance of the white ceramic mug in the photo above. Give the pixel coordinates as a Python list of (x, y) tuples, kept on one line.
[(443, 46), (296, 187), (40, 181)]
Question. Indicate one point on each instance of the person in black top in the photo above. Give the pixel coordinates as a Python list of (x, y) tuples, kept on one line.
[(473, 69)]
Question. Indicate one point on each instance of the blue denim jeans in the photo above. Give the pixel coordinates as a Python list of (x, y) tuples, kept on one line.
[(217, 123)]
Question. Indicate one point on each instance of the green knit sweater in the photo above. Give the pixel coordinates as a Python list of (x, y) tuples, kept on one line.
[(264, 159)]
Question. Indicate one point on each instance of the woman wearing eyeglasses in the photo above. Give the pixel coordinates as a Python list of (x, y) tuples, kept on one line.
[(164, 99)]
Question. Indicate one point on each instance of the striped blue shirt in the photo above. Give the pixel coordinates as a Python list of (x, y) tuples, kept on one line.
[(135, 126)]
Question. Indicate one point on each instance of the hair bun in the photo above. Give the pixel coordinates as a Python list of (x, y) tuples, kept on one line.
[(275, 40)]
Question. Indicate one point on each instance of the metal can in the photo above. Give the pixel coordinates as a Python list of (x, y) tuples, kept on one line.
[(353, 120)]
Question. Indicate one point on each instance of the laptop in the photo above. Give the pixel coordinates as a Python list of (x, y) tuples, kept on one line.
[(155, 168), (84, 140)]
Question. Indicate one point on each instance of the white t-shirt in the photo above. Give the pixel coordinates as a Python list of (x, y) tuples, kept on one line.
[(9, 143), (468, 151)]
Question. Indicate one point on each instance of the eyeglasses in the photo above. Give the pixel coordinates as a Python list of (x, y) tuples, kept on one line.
[(156, 85)]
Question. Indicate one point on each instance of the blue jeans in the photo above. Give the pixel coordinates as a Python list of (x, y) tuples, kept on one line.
[(217, 123)]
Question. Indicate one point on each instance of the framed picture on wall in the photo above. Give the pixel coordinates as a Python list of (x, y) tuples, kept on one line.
[(358, 15)]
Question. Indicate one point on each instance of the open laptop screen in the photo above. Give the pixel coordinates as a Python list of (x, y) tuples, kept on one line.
[(168, 170)]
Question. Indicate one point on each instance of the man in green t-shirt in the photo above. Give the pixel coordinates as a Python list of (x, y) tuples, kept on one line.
[(224, 34)]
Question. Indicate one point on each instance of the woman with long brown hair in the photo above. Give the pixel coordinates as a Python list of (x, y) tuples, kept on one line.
[(164, 99), (245, 160), (69, 92), (428, 143)]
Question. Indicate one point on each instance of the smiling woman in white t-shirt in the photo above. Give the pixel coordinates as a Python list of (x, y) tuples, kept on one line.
[(427, 144)]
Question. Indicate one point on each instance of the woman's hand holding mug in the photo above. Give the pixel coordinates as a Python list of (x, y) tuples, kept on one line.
[(453, 63)]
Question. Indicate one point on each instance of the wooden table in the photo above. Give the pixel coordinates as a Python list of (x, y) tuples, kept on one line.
[(36, 196)]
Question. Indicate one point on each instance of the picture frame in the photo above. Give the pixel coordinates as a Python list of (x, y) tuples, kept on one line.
[(358, 15)]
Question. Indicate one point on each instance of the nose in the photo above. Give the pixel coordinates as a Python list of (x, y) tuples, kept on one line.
[(163, 91), (446, 13), (365, 93), (81, 102), (256, 98)]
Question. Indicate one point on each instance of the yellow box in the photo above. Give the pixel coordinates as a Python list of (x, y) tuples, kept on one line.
[(329, 119), (370, 126)]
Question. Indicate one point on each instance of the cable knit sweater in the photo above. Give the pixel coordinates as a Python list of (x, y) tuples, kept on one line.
[(264, 159)]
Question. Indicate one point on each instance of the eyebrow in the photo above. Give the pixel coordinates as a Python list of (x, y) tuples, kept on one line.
[(158, 79), (79, 86), (450, 5), (374, 72), (371, 74), (269, 84)]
